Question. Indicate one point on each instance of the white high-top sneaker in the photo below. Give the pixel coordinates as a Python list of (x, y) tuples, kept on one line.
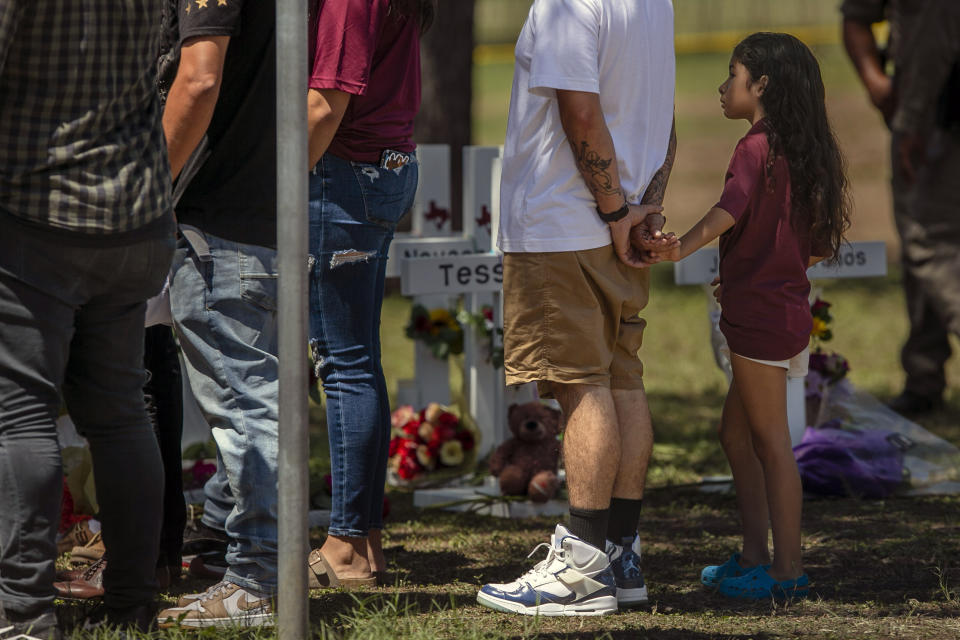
[(574, 580)]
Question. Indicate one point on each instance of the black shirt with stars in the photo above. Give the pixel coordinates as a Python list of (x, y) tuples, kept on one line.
[(229, 185)]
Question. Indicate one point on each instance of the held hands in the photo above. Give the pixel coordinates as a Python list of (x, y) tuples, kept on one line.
[(651, 243), (644, 221)]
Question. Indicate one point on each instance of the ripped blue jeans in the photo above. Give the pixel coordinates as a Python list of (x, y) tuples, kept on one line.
[(354, 210)]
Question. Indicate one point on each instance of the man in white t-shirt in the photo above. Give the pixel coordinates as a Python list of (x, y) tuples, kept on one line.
[(589, 149)]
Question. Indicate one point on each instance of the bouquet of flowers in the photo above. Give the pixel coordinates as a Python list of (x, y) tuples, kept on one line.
[(428, 441), (437, 328), (825, 369)]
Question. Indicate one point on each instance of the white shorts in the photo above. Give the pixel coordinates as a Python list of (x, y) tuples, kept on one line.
[(796, 366)]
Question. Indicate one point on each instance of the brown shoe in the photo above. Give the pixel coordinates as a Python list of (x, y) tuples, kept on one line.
[(321, 575), (88, 585), (76, 536), (69, 575), (92, 551)]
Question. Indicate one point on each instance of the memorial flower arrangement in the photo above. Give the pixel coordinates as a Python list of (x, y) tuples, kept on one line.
[(825, 369), (438, 328), (427, 442), (482, 322)]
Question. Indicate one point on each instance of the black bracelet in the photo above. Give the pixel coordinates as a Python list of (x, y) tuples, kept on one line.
[(614, 216)]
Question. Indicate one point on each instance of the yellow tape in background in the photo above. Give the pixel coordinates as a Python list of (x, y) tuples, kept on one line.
[(712, 42)]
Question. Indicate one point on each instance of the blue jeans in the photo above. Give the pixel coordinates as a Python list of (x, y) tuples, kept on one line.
[(71, 323), (225, 313), (354, 210)]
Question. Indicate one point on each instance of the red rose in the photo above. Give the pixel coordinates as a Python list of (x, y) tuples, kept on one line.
[(488, 313), (448, 420), (394, 446), (466, 439), (202, 470), (411, 428), (408, 468), (443, 432)]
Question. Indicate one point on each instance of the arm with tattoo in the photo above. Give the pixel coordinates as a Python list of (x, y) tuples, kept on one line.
[(646, 235), (658, 184), (592, 146), (596, 159)]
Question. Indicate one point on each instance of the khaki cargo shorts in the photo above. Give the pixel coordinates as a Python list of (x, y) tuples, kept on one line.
[(572, 317)]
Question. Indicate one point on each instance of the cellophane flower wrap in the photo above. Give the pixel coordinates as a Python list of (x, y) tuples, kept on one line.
[(431, 444)]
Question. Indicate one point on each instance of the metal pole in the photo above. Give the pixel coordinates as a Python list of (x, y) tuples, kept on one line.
[(292, 234)]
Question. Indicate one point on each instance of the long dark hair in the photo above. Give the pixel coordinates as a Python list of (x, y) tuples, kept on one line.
[(424, 10), (793, 101)]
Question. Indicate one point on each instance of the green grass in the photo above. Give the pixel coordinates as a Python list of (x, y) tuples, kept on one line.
[(881, 569)]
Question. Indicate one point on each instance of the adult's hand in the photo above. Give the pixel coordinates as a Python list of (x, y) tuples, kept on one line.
[(716, 283), (649, 236), (911, 149), (620, 232), (880, 89)]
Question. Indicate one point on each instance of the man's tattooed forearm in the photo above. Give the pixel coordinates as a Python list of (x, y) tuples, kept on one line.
[(595, 170), (658, 185)]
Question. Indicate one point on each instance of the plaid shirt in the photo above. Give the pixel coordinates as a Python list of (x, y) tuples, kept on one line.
[(81, 145)]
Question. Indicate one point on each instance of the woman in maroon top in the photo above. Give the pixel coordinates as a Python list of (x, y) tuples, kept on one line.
[(364, 94), (784, 207)]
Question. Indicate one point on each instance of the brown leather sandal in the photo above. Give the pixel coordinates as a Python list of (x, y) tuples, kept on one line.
[(321, 575)]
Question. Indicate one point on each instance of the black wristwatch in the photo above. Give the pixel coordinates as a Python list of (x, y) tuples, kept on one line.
[(614, 216)]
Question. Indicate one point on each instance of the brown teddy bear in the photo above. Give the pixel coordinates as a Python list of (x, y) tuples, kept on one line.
[(527, 463)]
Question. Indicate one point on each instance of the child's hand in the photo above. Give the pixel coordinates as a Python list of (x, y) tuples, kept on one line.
[(649, 237), (667, 249), (716, 292)]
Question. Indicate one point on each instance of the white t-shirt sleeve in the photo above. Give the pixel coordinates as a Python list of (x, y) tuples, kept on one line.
[(566, 47)]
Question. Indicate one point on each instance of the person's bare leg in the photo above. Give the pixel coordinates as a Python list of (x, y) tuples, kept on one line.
[(762, 390), (748, 479), (378, 562), (591, 443), (636, 442), (347, 556)]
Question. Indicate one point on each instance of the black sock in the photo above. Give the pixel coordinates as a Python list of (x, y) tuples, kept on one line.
[(624, 519), (590, 525)]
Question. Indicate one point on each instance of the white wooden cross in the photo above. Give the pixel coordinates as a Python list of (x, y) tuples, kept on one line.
[(857, 260), (437, 269), (431, 235)]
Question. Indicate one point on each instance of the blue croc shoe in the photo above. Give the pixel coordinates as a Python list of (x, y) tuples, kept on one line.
[(756, 584), (712, 576)]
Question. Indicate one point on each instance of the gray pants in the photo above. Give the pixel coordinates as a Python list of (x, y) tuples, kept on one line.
[(927, 215), (71, 323)]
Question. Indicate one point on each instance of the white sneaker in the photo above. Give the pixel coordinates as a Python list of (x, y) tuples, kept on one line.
[(574, 580), (625, 562), (223, 605)]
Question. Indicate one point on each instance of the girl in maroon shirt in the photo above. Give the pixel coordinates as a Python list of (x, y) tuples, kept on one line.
[(784, 207)]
